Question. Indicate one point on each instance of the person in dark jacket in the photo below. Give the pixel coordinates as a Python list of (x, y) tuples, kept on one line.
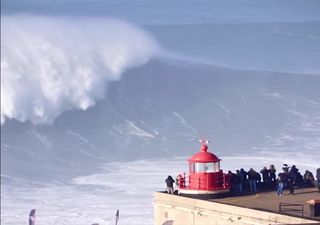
[(318, 179), (243, 178), (308, 179), (169, 181), (252, 176), (272, 176), (235, 183), (290, 181), (239, 178), (32, 217), (265, 176)]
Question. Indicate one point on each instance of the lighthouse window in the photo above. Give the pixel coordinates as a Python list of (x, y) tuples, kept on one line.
[(199, 167), (216, 167), (204, 167), (209, 167)]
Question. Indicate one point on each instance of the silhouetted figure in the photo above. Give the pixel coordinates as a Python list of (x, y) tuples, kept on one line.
[(117, 216), (308, 179), (243, 177), (285, 175), (285, 168), (169, 182), (231, 177), (318, 179), (240, 184), (32, 217), (258, 179), (291, 185), (235, 183), (296, 176), (265, 175), (294, 169), (293, 173), (252, 180), (281, 180), (272, 173)]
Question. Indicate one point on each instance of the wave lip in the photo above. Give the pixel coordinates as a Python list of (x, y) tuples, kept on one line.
[(50, 65)]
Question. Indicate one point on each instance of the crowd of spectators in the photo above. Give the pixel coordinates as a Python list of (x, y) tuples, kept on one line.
[(289, 178)]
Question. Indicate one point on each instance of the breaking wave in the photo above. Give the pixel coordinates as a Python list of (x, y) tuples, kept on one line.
[(50, 65)]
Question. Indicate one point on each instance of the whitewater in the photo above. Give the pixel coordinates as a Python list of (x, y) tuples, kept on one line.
[(101, 101), (62, 64)]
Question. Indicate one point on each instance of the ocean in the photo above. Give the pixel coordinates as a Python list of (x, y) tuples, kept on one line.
[(102, 100)]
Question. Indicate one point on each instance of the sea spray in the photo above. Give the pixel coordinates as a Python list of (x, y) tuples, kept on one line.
[(50, 65)]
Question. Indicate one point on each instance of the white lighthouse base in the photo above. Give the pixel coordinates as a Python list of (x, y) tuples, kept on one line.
[(201, 192)]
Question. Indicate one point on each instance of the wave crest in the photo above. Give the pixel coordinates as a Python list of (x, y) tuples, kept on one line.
[(51, 65)]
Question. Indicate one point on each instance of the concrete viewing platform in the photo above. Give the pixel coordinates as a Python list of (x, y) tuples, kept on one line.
[(268, 201), (248, 209)]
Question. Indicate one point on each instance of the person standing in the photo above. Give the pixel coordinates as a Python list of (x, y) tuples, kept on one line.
[(32, 217), (169, 182), (265, 176), (240, 181), (243, 178), (291, 185), (235, 181), (318, 179), (180, 181), (272, 176), (281, 180), (308, 179), (252, 180)]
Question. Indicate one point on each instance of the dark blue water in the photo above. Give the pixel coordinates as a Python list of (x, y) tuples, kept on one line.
[(175, 12)]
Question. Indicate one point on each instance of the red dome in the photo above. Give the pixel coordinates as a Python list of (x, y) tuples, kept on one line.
[(204, 156)]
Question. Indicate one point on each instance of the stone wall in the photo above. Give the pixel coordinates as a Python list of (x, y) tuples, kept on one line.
[(178, 210)]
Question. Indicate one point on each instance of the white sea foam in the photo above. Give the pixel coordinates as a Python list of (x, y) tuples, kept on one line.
[(50, 65), (94, 198)]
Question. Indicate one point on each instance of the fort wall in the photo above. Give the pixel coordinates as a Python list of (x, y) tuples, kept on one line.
[(178, 210)]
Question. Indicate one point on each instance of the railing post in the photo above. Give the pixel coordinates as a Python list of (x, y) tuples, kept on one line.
[(224, 180), (279, 207)]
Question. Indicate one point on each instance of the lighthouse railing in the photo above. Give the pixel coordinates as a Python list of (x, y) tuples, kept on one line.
[(220, 181)]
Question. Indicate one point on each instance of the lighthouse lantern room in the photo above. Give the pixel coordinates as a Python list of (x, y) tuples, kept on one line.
[(205, 175)]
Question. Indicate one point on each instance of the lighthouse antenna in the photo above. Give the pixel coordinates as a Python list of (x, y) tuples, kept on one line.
[(204, 141)]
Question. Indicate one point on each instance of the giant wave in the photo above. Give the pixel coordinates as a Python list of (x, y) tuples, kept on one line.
[(51, 65), (88, 163)]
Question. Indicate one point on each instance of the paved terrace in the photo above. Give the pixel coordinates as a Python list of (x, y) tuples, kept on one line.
[(269, 201)]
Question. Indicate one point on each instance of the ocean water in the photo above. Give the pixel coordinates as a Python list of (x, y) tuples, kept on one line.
[(102, 100)]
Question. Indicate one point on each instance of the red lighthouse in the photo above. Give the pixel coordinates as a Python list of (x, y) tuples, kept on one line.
[(205, 176)]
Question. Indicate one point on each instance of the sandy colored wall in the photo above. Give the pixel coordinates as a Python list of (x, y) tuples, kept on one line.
[(188, 211)]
